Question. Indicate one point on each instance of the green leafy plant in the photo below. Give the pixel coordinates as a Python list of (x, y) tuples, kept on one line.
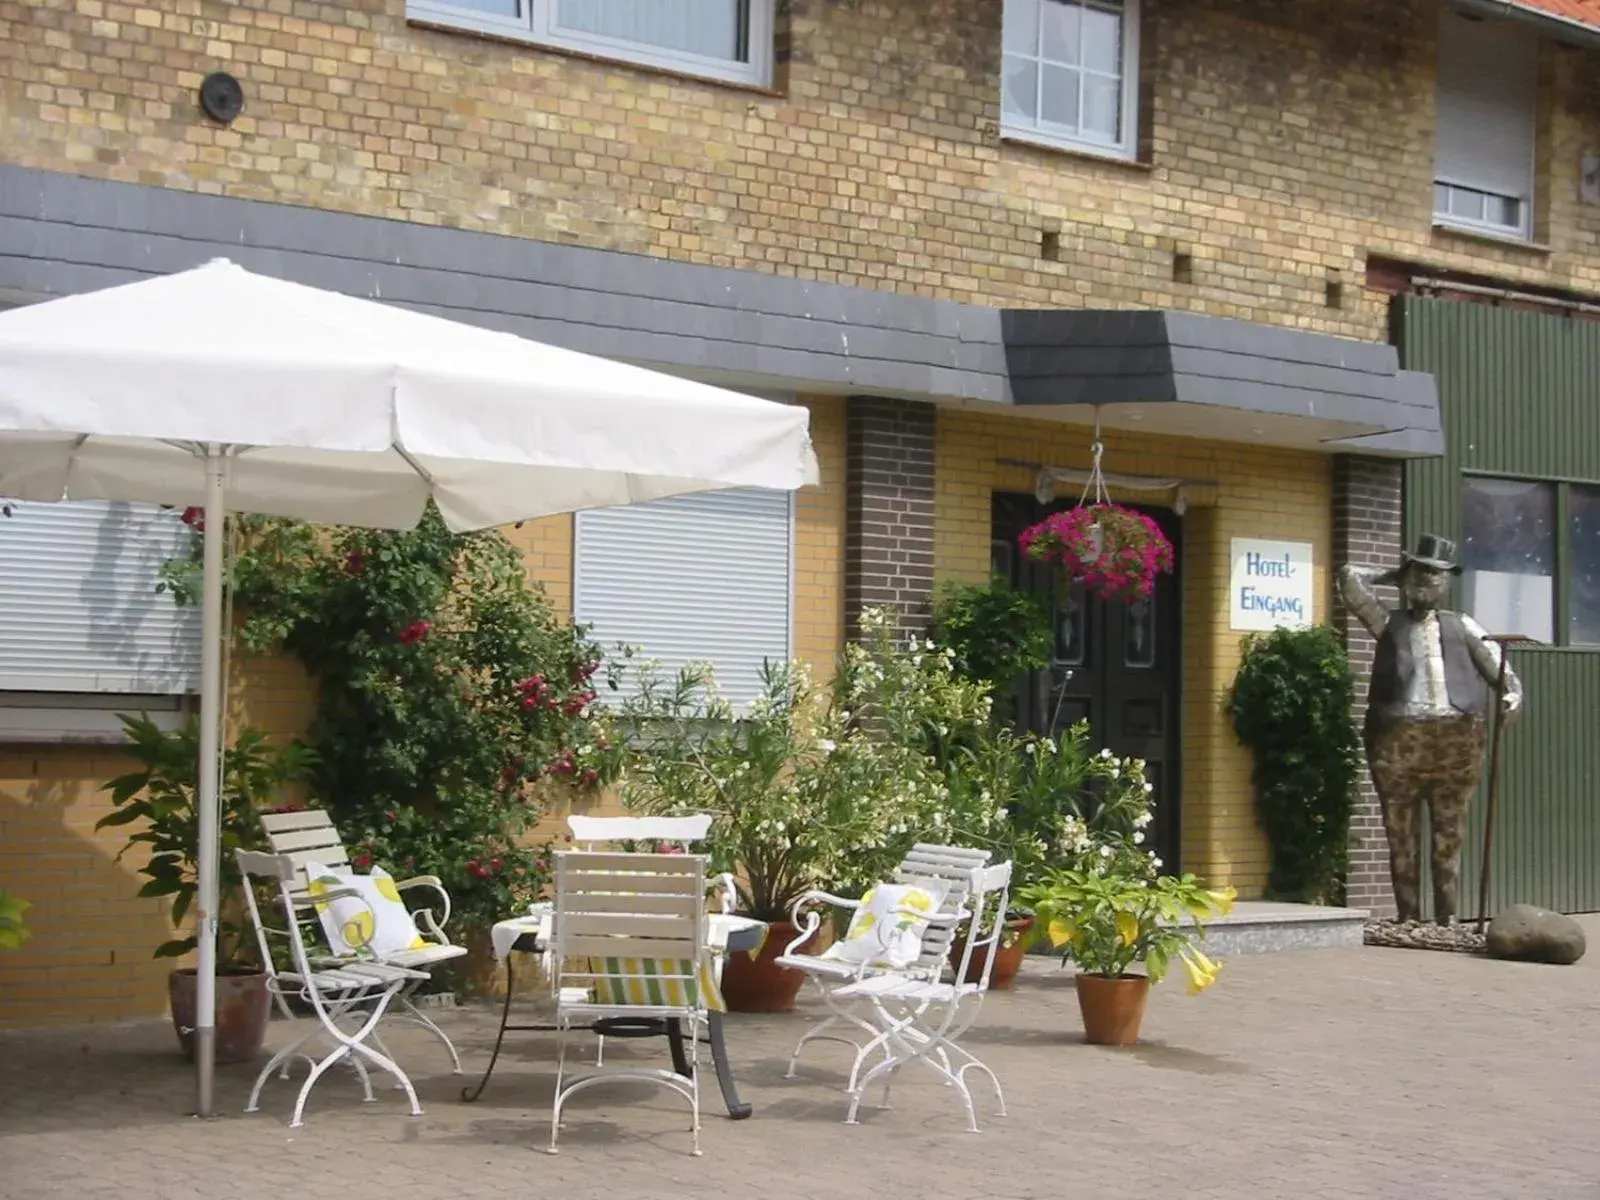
[(996, 632), (810, 789), (1058, 800), (14, 931), (1111, 920), (1291, 703), (453, 704), (161, 796)]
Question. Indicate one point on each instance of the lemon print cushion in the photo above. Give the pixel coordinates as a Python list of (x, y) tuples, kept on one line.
[(881, 934), (374, 926)]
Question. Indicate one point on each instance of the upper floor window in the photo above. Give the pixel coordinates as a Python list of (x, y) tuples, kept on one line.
[(1071, 74), (719, 39), (1488, 100)]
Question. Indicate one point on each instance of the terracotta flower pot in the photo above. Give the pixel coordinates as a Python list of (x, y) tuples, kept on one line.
[(1007, 959), (243, 1007), (1113, 1009), (759, 985)]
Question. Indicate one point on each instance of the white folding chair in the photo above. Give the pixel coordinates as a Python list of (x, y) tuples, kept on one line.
[(921, 1020), (682, 832), (354, 993), (628, 939), (309, 835), (951, 865)]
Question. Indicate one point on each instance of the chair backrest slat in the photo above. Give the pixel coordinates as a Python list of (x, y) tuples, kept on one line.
[(677, 830), (953, 866), (624, 923), (988, 897), (308, 835)]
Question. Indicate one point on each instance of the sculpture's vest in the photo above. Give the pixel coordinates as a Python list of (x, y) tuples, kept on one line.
[(1395, 668)]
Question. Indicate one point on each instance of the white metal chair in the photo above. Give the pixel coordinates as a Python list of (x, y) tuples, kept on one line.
[(340, 994), (309, 835), (628, 940), (921, 1020), (951, 865), (683, 832)]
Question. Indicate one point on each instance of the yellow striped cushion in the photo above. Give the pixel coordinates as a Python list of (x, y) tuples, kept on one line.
[(631, 982)]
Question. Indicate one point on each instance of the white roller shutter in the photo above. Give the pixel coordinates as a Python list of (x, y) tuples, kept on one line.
[(701, 578), (1488, 103), (79, 610)]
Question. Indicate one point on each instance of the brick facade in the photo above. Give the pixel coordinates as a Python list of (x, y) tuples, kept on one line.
[(889, 486), (1367, 532), (1284, 141)]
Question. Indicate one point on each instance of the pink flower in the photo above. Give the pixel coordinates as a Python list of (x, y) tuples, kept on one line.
[(415, 632)]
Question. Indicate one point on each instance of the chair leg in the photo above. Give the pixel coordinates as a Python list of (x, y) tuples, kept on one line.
[(694, 1083), (561, 1071), (423, 1019)]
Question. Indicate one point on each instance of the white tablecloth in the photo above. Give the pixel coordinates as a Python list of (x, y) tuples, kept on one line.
[(719, 928)]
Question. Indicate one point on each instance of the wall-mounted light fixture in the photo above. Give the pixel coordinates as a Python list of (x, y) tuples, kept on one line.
[(221, 97)]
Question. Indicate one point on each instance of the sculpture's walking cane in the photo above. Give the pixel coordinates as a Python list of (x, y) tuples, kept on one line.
[(1504, 641)]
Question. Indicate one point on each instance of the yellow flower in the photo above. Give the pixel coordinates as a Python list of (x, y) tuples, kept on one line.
[(1223, 900), (1062, 931), (1128, 927), (1202, 971)]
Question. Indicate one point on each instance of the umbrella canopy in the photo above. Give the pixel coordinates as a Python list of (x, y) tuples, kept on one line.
[(350, 411), (235, 391)]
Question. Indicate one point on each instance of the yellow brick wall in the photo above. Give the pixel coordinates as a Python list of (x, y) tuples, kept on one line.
[(90, 957), (1285, 140), (1257, 493)]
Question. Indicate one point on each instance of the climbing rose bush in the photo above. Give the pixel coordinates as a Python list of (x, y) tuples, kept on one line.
[(1116, 551), (453, 704)]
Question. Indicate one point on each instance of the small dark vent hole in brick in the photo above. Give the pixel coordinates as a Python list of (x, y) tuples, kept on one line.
[(1050, 246), (1182, 267), (1333, 294)]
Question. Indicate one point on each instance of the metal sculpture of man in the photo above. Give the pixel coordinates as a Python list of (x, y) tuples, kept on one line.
[(1433, 683)]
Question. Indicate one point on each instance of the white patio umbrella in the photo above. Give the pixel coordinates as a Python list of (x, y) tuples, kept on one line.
[(238, 392)]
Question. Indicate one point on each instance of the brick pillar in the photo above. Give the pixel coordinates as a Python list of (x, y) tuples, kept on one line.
[(889, 509), (1367, 532)]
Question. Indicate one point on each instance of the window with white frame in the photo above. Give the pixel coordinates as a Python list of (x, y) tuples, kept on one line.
[(1488, 88), (84, 633), (720, 39), (703, 578), (1070, 74)]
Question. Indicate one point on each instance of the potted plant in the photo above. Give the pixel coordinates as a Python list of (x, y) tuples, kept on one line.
[(1117, 552), (159, 799), (14, 931), (1059, 801), (1114, 918), (808, 790)]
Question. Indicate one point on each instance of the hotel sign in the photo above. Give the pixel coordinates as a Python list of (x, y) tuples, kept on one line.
[(1271, 584)]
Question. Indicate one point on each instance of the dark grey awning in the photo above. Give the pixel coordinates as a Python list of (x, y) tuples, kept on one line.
[(1232, 380)]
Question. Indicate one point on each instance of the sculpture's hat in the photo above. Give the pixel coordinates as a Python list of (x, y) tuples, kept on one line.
[(1433, 551)]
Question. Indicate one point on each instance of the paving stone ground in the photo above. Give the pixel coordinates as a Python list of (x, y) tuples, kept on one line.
[(1318, 1075)]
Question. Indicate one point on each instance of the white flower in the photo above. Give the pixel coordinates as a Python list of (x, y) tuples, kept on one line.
[(1155, 862), (1030, 748), (1149, 787), (828, 746), (1138, 839), (1105, 753), (1142, 819), (1106, 852)]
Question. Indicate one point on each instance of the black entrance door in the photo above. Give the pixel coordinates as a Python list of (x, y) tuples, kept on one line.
[(1116, 666)]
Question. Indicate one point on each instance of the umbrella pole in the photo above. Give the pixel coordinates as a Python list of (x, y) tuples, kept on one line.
[(210, 769)]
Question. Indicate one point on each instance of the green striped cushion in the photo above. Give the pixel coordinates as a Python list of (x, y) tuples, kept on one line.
[(666, 983)]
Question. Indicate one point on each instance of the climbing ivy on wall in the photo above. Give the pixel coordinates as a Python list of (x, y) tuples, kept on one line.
[(1292, 704)]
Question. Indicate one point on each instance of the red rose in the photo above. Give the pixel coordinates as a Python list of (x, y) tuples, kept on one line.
[(362, 860), (591, 776), (529, 703), (356, 562), (494, 864), (194, 518), (415, 632)]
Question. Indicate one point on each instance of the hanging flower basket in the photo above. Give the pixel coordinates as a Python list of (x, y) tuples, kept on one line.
[(1115, 551)]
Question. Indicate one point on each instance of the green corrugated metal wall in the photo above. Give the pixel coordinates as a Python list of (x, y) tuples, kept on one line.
[(1520, 396)]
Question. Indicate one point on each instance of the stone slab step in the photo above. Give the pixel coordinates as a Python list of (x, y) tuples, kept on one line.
[(1267, 926)]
